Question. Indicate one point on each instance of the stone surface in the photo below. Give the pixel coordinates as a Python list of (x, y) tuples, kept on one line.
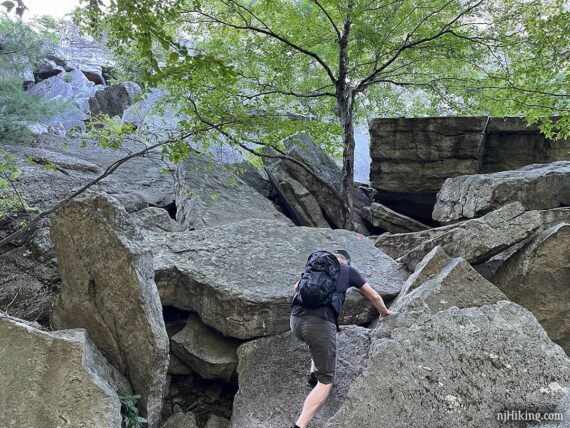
[(272, 378), (114, 100), (538, 186), (239, 277), (441, 282), (181, 420), (255, 178), (478, 240), (215, 421), (205, 350), (207, 195), (50, 379), (302, 148), (411, 158), (537, 277), (456, 368), (389, 220), (109, 289)]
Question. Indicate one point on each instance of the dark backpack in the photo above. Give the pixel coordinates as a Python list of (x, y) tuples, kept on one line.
[(317, 285)]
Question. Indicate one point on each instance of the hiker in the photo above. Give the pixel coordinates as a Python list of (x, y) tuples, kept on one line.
[(318, 326)]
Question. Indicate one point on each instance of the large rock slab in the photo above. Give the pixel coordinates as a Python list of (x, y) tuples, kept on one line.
[(272, 378), (389, 220), (205, 350), (108, 289), (300, 182), (537, 277), (50, 379), (538, 186), (478, 240), (115, 99), (208, 195), (239, 277), (441, 282), (456, 368)]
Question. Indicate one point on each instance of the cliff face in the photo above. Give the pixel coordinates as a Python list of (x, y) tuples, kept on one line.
[(411, 158)]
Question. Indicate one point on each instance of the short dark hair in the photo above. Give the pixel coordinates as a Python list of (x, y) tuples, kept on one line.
[(343, 253)]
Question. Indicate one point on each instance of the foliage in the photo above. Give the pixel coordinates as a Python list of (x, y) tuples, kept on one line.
[(131, 418)]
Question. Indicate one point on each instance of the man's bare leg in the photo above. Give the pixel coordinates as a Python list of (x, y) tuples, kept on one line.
[(313, 403)]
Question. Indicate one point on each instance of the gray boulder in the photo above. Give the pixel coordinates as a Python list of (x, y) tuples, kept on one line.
[(215, 421), (114, 100), (537, 277), (302, 148), (255, 178), (181, 420), (562, 412), (239, 277), (205, 350), (272, 378), (456, 368), (478, 240), (441, 282), (384, 218), (52, 378), (539, 186), (207, 195), (108, 289)]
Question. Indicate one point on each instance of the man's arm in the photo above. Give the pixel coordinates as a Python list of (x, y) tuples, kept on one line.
[(296, 286), (367, 291)]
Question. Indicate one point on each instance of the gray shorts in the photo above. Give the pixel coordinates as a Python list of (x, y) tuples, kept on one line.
[(320, 335)]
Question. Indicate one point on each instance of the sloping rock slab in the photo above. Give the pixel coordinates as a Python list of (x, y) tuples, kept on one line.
[(209, 196), (239, 277), (108, 289), (385, 218), (272, 378), (457, 368), (50, 379), (538, 277), (205, 350), (538, 186), (441, 282), (478, 240)]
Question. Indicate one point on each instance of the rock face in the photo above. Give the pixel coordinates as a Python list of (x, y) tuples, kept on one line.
[(54, 378), (539, 186), (538, 277), (239, 277), (181, 420), (384, 218), (114, 100), (299, 185), (206, 351), (478, 240), (209, 196), (272, 378), (108, 289), (441, 282), (456, 368), (411, 158)]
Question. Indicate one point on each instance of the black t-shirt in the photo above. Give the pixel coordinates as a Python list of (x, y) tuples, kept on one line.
[(347, 277)]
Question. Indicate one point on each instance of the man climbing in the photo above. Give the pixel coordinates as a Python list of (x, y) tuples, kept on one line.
[(318, 326)]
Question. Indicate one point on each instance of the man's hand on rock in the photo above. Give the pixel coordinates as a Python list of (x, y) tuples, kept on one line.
[(387, 313)]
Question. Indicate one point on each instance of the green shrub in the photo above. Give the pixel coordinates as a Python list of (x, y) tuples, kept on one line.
[(131, 418)]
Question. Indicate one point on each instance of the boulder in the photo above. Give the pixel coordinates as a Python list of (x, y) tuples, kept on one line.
[(114, 100), (181, 420), (108, 289), (389, 220), (215, 421), (177, 367), (537, 277), (478, 240), (52, 378), (538, 186), (239, 277), (456, 368), (412, 157), (256, 178), (562, 412), (302, 148), (205, 350), (272, 375), (441, 282), (208, 195)]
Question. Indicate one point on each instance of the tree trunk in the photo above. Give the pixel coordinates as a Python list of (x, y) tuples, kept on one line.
[(347, 181)]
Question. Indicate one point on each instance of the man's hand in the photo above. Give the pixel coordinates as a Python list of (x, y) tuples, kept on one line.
[(387, 313)]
